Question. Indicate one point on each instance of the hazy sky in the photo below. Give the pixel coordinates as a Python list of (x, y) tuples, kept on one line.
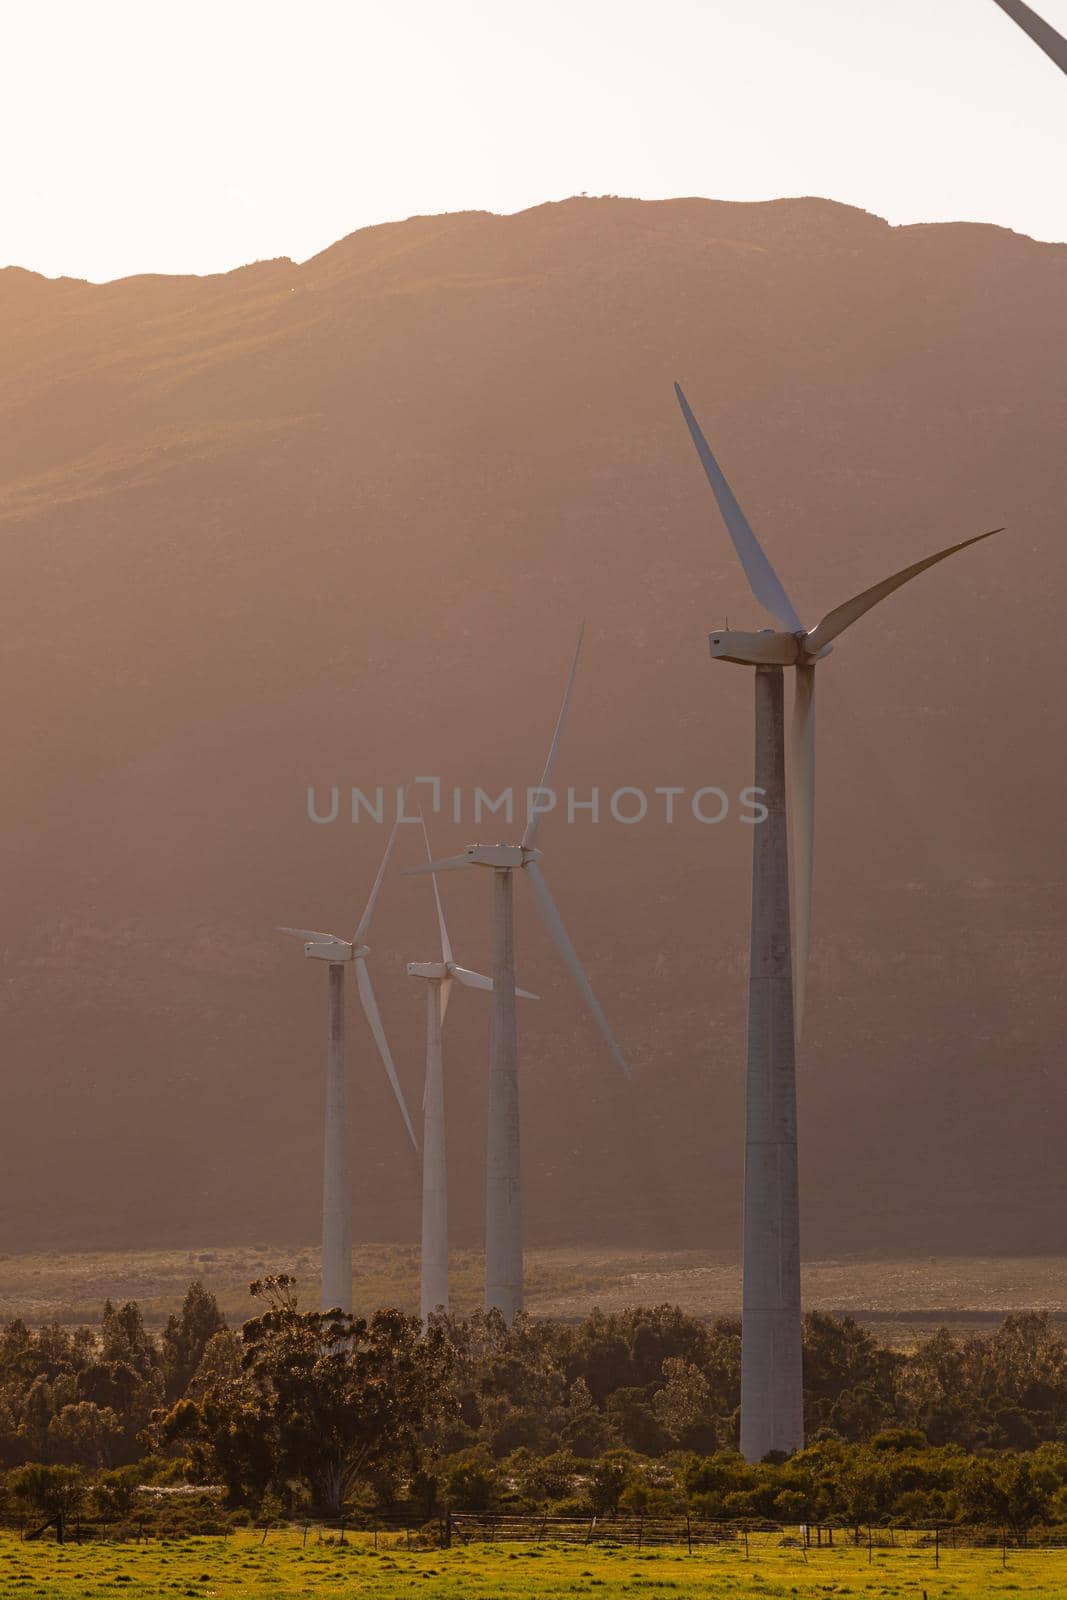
[(150, 136)]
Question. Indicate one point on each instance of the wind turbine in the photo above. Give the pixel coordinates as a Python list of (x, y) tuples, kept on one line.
[(503, 1197), (1046, 38), (438, 976), (336, 1181), (772, 1401)]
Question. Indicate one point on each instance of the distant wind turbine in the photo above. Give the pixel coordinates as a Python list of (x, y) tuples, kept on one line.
[(438, 976), (503, 1200), (1047, 39), (336, 1181), (772, 1402)]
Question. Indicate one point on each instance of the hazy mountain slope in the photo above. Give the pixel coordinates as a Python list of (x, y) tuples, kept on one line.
[(336, 522)]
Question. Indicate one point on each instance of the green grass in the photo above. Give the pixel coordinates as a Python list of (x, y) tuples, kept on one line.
[(283, 1569)]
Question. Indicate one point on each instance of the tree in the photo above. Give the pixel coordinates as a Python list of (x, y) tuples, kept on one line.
[(635, 1421), (186, 1337), (471, 1480), (123, 1339), (334, 1400), (683, 1405), (114, 1492), (939, 1389), (130, 1393), (608, 1479), (55, 1492), (585, 1430), (1009, 1491), (85, 1434), (849, 1380), (541, 1479), (508, 1383), (220, 1364)]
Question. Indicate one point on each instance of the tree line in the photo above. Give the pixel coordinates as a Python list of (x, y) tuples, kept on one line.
[(633, 1411)]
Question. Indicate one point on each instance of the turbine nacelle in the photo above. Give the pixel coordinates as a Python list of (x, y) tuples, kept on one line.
[(503, 857), (429, 969), (328, 946), (334, 949), (767, 648)]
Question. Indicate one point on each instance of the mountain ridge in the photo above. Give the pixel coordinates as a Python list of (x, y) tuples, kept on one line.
[(332, 521)]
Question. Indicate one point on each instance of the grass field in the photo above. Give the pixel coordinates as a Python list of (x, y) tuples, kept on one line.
[(240, 1566), (899, 1299)]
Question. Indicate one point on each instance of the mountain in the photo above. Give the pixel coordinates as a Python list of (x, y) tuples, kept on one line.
[(337, 522)]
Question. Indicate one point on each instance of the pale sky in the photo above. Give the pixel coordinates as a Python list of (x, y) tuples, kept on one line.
[(151, 136)]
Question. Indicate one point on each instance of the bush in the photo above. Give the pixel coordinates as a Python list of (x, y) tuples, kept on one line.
[(607, 1481), (471, 1480), (114, 1492)]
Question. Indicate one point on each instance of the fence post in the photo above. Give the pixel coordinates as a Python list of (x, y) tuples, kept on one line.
[(937, 1547), (746, 1544), (870, 1546), (640, 1531), (689, 1533), (1004, 1547), (448, 1530)]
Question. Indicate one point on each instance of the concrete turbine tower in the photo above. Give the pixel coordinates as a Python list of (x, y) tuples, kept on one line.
[(772, 1401), (336, 1180), (1052, 43), (438, 976), (503, 1198)]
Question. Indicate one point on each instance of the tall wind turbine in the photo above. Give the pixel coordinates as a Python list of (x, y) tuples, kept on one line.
[(772, 1401), (1047, 39), (503, 1197), (438, 976), (336, 1180)]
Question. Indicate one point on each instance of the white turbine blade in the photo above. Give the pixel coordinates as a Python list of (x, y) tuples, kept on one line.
[(534, 822), (444, 992), (370, 1006), (763, 580), (802, 782), (477, 980), (307, 935), (554, 923), (1046, 38), (835, 622), (471, 980), (364, 921), (446, 948), (447, 864)]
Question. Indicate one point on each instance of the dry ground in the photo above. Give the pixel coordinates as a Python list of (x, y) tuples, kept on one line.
[(901, 1298)]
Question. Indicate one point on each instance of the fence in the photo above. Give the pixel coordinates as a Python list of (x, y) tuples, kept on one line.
[(749, 1538), (405, 1529)]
